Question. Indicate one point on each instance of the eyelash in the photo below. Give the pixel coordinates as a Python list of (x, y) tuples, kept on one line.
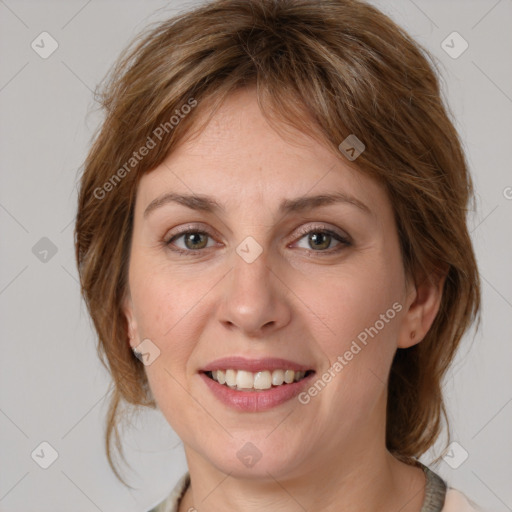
[(343, 241)]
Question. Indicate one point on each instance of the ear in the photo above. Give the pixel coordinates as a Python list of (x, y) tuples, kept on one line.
[(422, 305), (127, 308)]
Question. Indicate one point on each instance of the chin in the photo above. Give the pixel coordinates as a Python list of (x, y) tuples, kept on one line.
[(265, 460)]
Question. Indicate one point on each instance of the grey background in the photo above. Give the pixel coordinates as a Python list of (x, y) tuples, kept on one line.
[(52, 386)]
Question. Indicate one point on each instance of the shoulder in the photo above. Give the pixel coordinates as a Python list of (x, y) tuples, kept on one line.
[(455, 501), (170, 504)]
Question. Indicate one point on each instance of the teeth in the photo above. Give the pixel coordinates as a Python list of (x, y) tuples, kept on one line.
[(244, 380), (265, 379), (289, 375), (230, 377), (277, 377)]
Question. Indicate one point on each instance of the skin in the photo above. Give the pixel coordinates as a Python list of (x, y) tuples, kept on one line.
[(293, 302)]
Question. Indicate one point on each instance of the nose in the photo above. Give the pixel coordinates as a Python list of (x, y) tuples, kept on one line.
[(254, 298)]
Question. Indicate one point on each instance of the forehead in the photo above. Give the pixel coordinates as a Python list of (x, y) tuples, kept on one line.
[(243, 160)]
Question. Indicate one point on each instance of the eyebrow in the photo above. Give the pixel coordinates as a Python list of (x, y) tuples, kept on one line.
[(210, 205)]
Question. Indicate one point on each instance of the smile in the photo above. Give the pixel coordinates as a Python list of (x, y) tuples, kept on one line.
[(243, 380)]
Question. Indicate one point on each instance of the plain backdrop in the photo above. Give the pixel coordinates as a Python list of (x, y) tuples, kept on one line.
[(52, 386)]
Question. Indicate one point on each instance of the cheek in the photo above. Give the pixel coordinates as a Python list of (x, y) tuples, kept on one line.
[(358, 344), (163, 313), (170, 311), (361, 308), (163, 299), (352, 301)]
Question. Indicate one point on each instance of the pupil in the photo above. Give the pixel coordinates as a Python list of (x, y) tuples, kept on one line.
[(315, 239), (192, 237)]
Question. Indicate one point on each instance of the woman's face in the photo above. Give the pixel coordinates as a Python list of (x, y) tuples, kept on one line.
[(258, 286)]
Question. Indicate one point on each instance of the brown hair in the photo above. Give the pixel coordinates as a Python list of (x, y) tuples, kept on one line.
[(331, 68)]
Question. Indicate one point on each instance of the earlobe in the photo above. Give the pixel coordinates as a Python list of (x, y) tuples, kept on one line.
[(422, 307), (130, 321)]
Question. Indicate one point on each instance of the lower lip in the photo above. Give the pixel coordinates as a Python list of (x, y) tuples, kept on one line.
[(256, 401)]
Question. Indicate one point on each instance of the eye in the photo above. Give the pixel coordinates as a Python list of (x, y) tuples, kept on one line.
[(321, 239), (193, 240)]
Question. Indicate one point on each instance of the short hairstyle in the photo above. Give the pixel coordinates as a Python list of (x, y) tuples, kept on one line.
[(330, 68)]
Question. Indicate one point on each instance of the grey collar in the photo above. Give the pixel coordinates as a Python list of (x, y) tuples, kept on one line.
[(435, 491)]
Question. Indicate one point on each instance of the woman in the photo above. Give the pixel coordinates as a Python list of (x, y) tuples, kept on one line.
[(272, 218)]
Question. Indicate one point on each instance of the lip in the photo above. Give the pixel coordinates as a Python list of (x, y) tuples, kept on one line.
[(254, 365), (256, 401)]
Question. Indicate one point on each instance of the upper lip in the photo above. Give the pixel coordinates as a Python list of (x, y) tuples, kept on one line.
[(254, 365)]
